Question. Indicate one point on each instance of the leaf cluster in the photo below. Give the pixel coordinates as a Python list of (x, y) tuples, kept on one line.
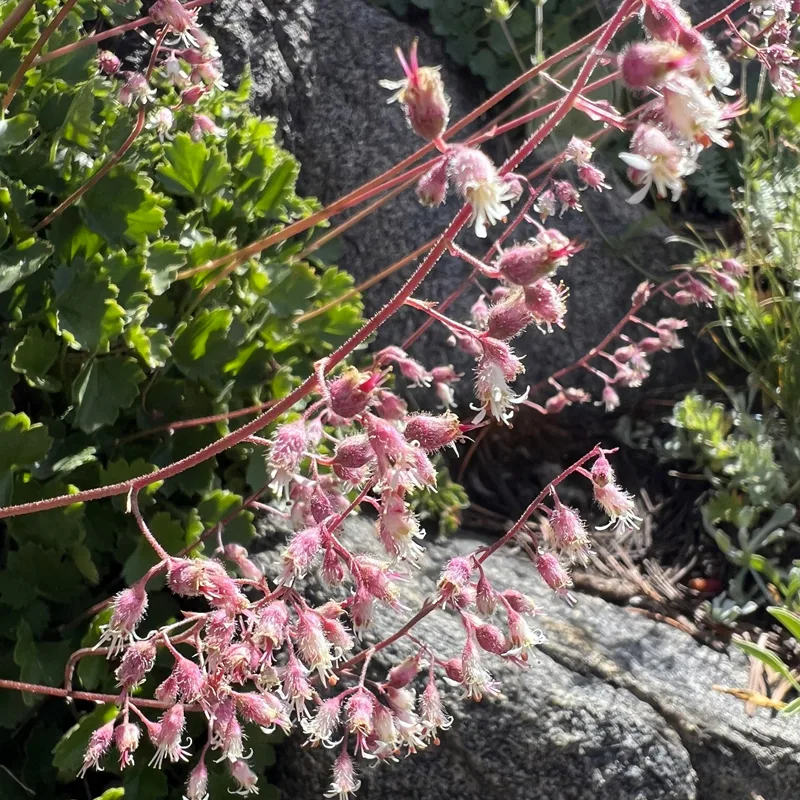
[(103, 345)]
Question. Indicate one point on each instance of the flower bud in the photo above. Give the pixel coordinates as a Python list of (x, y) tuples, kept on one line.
[(649, 64), (192, 95), (432, 186), (524, 264), (422, 96), (246, 779), (609, 398), (602, 472), (734, 267), (405, 672), (204, 126), (454, 578), (350, 393), (129, 607), (108, 63), (301, 552), (99, 744), (553, 573), (491, 638), (485, 596), (197, 785), (547, 303), (137, 661), (509, 317), (556, 404), (521, 603), (725, 282), (126, 740), (432, 433)]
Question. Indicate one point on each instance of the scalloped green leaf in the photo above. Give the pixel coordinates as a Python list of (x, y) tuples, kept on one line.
[(18, 263), (21, 443), (15, 131), (34, 356), (192, 168), (102, 389)]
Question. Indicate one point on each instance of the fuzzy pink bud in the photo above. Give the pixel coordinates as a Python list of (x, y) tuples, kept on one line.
[(197, 785), (265, 710), (405, 672), (552, 572), (173, 14), (167, 737), (350, 393), (432, 433), (509, 317), (609, 398), (491, 638), (520, 602), (422, 96), (108, 63), (524, 264), (345, 783), (454, 578), (99, 744), (602, 472), (126, 740), (648, 64), (137, 661), (589, 175), (246, 779), (389, 406), (569, 531), (129, 607), (301, 552), (547, 303), (432, 186), (725, 282)]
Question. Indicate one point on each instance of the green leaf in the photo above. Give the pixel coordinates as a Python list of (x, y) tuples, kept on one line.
[(87, 313), (791, 708), (279, 185), (102, 389), (788, 619), (120, 208), (204, 346), (112, 794), (39, 662), (291, 288), (191, 168), (15, 131), (21, 261), (151, 345), (21, 444), (145, 783), (68, 753), (34, 356), (769, 658), (46, 571), (164, 260)]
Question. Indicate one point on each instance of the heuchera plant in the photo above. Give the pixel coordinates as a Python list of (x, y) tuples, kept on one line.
[(257, 651)]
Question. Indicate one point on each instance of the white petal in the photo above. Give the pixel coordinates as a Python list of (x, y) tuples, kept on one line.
[(637, 162)]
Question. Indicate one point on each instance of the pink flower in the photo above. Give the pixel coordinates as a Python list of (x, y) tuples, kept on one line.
[(161, 121), (108, 63), (475, 677), (174, 15), (618, 504), (286, 454), (431, 711), (128, 608), (553, 573), (454, 578), (547, 303), (398, 528), (137, 661), (136, 89), (696, 115), (421, 93), (204, 126), (296, 686), (166, 736), (173, 71), (126, 740), (592, 177), (579, 150), (734, 268), (432, 433), (476, 180), (265, 710), (345, 783), (649, 64), (495, 370), (491, 638), (197, 785), (300, 553), (189, 680), (522, 638), (99, 744), (403, 673), (322, 727), (568, 196), (609, 398), (359, 712), (569, 531), (271, 624), (521, 603), (656, 160), (311, 644), (246, 779)]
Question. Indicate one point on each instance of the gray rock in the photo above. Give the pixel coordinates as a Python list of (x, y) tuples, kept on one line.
[(615, 707), (315, 65)]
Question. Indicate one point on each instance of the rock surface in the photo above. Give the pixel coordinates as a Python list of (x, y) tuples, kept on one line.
[(315, 65), (616, 707)]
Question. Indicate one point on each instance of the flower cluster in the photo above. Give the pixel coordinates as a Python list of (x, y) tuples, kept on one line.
[(686, 72), (190, 65)]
